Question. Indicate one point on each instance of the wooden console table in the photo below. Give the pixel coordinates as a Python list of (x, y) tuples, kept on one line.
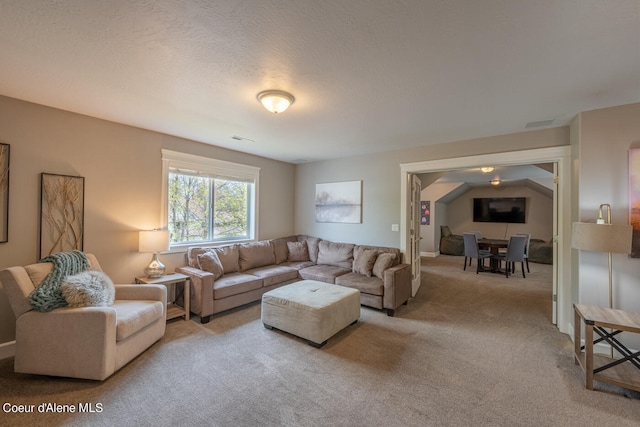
[(607, 323)]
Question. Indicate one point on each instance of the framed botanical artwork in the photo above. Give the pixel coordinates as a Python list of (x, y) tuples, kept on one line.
[(61, 213), (4, 193), (339, 202)]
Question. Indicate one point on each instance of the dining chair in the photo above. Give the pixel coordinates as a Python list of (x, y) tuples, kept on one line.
[(515, 253), (472, 251), (526, 249)]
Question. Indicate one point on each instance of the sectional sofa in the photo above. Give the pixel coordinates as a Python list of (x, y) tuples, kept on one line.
[(226, 277)]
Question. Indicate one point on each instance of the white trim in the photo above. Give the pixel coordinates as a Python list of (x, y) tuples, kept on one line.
[(430, 254), (7, 349), (560, 155)]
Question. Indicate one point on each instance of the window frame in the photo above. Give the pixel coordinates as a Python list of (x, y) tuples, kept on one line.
[(213, 168)]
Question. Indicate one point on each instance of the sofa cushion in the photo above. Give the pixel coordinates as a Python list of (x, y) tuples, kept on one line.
[(256, 254), (280, 249), (298, 251), (298, 265), (323, 273), (274, 274), (363, 262), (336, 254), (210, 262), (366, 285), (132, 316), (312, 245), (235, 283), (383, 261), (229, 257), (445, 231)]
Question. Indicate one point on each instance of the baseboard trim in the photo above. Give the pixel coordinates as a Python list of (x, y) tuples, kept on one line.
[(7, 349)]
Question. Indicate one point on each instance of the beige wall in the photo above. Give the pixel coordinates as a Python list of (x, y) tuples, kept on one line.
[(539, 214), (604, 138), (122, 170), (380, 174)]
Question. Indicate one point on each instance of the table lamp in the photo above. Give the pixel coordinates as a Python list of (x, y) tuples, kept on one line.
[(154, 241), (602, 237)]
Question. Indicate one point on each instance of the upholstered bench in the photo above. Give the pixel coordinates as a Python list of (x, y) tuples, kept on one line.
[(312, 310)]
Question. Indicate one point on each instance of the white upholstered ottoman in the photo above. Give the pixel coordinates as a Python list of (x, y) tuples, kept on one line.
[(311, 310)]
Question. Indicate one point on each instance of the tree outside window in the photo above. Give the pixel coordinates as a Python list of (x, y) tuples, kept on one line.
[(206, 209)]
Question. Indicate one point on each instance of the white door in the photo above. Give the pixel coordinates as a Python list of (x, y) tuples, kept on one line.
[(414, 231), (554, 309)]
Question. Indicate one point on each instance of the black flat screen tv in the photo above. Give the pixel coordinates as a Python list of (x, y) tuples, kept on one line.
[(500, 209)]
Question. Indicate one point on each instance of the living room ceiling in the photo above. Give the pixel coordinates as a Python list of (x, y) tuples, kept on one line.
[(368, 76)]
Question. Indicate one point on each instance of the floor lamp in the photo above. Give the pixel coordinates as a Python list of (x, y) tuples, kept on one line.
[(603, 236)]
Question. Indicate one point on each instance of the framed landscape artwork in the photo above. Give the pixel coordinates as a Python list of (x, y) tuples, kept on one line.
[(339, 202), (634, 200), (61, 213), (4, 193)]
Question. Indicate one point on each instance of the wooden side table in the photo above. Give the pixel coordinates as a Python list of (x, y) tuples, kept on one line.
[(173, 310), (606, 323)]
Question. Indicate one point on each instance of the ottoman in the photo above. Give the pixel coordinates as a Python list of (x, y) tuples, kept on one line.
[(314, 311)]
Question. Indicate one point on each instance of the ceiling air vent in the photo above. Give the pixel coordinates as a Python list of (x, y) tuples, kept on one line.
[(538, 124)]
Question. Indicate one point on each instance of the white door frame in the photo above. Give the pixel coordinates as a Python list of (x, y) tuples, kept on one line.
[(562, 243)]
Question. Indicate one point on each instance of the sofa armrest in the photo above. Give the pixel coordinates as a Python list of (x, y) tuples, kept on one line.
[(141, 292), (80, 341), (397, 286), (201, 291)]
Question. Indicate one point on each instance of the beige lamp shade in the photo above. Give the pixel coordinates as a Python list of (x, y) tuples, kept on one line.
[(612, 238), (153, 241)]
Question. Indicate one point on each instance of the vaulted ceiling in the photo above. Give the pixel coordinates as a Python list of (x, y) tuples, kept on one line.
[(368, 75)]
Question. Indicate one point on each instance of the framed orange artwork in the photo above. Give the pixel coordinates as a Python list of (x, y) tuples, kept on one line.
[(634, 200)]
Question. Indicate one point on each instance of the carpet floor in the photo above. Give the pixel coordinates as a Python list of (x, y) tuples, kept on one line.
[(469, 349)]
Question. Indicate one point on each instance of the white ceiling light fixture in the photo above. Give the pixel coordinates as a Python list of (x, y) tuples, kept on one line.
[(495, 181), (487, 169), (276, 101)]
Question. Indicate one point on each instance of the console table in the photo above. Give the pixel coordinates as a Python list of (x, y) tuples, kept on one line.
[(606, 323)]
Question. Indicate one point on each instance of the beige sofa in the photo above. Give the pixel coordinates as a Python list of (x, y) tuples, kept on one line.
[(233, 275)]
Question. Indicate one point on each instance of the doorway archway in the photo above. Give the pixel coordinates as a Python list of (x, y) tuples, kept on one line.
[(561, 156)]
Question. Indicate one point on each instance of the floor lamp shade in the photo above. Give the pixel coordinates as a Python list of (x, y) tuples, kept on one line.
[(612, 238)]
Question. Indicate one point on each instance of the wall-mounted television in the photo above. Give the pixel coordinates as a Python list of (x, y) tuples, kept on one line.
[(500, 209)]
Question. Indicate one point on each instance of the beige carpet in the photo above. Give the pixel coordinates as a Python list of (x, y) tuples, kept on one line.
[(470, 349)]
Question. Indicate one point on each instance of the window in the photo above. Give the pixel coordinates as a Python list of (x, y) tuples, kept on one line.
[(208, 200)]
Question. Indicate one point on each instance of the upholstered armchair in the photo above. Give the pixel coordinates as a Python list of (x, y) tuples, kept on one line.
[(83, 342)]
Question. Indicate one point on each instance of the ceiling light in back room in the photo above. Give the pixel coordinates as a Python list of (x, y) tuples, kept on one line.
[(487, 169), (276, 101)]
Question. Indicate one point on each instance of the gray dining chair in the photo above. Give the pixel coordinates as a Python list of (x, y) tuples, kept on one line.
[(526, 249), (472, 251), (515, 253)]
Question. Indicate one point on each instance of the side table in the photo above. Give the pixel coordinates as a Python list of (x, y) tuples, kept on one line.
[(173, 310), (623, 372)]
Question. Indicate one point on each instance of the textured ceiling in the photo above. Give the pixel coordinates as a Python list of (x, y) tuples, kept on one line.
[(368, 75)]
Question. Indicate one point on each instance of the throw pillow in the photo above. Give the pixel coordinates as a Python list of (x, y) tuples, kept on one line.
[(384, 261), (364, 262), (210, 262), (229, 257), (444, 231), (90, 288), (298, 251)]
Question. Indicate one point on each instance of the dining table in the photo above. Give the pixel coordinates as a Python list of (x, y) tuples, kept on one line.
[(494, 245)]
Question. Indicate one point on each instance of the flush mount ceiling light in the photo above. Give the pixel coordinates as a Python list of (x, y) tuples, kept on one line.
[(276, 101), (495, 182), (487, 169)]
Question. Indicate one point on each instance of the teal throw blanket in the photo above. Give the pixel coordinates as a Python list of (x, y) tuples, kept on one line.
[(48, 295)]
